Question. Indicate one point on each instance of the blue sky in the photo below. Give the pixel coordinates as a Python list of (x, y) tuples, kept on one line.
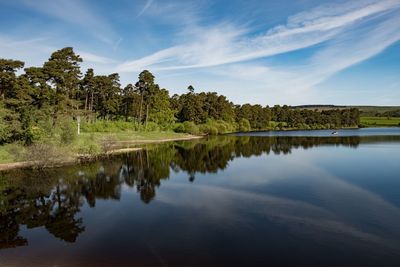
[(268, 52)]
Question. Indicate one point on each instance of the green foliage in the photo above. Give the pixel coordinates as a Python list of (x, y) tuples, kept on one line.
[(8, 68), (191, 127), (244, 125), (379, 121), (68, 132), (152, 127), (161, 113), (88, 145), (35, 105), (106, 126), (208, 129), (178, 127), (89, 148), (11, 152), (5, 132)]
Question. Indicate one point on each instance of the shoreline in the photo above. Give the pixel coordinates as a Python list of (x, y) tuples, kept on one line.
[(82, 158), (125, 148)]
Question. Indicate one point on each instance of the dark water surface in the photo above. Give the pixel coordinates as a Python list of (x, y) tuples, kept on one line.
[(226, 201)]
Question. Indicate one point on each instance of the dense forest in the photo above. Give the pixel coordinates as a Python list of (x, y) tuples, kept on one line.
[(36, 102)]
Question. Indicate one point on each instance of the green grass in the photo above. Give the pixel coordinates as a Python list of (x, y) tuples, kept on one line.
[(379, 121), (8, 152), (90, 143), (132, 135), (5, 156)]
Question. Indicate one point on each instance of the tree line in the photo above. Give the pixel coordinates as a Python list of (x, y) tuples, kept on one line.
[(34, 101)]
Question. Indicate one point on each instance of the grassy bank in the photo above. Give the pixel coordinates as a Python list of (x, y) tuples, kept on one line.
[(87, 145), (379, 121)]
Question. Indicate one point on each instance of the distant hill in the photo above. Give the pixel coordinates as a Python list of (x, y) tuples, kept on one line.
[(365, 110)]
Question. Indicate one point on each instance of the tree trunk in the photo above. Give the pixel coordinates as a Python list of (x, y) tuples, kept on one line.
[(91, 104), (147, 116), (86, 101), (140, 110)]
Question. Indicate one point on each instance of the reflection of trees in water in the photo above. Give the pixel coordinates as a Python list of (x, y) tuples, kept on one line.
[(54, 209), (53, 198)]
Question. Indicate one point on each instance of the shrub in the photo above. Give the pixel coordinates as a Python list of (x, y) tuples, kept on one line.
[(68, 132), (221, 127), (191, 128), (4, 133), (244, 125), (208, 129), (151, 127), (90, 148), (44, 154), (178, 127)]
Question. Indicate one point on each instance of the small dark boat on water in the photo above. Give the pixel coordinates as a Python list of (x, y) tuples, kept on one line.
[(335, 133)]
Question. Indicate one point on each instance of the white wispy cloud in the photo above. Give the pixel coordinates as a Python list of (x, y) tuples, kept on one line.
[(224, 56), (93, 58), (21, 49), (74, 12), (224, 44), (227, 56), (145, 7)]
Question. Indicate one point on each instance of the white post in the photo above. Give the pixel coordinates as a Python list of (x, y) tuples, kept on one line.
[(78, 119)]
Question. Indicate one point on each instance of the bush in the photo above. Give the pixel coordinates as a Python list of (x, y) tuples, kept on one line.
[(44, 154), (218, 127), (151, 127), (178, 127), (103, 126), (4, 133), (221, 127), (68, 132), (191, 128), (90, 148), (208, 129), (244, 125)]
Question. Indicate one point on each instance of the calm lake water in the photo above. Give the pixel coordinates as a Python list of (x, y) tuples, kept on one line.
[(303, 198)]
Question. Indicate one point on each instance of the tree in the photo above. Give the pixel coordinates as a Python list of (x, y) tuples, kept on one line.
[(160, 110), (190, 89), (108, 95), (63, 73), (8, 67), (88, 89), (144, 86), (192, 108), (129, 99)]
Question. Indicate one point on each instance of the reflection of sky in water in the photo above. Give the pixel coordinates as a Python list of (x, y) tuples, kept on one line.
[(331, 204), (327, 188)]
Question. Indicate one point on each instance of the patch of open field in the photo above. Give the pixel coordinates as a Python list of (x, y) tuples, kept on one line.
[(380, 121)]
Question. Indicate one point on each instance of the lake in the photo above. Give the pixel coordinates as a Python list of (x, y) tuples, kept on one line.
[(301, 198)]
